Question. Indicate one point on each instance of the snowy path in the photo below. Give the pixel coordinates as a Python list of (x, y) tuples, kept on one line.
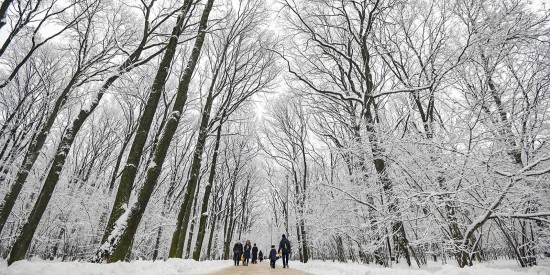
[(191, 267), (260, 268)]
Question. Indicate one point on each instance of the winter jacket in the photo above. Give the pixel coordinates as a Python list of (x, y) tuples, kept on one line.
[(254, 252), (273, 254), (261, 255), (247, 248), (238, 248), (284, 245)]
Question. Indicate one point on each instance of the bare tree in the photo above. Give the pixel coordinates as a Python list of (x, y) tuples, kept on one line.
[(99, 54), (144, 125), (34, 13), (341, 66), (241, 69), (118, 243), (287, 137)]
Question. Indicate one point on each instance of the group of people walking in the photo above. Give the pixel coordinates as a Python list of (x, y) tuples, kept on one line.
[(243, 253)]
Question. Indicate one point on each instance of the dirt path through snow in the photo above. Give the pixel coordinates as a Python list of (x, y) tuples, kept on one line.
[(260, 268)]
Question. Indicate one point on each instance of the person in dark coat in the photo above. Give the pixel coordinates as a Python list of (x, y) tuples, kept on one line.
[(254, 254), (284, 248), (247, 248), (272, 256), (261, 255), (237, 252)]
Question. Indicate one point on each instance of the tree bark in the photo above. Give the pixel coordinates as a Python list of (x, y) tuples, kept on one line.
[(119, 244), (176, 249), (118, 162), (192, 225), (214, 219), (129, 172), (230, 216), (204, 208)]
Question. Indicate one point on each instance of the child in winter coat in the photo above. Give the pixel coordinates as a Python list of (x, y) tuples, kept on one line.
[(261, 256), (272, 256)]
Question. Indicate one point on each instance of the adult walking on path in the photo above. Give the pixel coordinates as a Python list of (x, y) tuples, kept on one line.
[(237, 252), (261, 268), (247, 248), (254, 254), (284, 249)]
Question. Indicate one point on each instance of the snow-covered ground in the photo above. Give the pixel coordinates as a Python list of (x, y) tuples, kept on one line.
[(169, 267), (176, 266), (433, 268)]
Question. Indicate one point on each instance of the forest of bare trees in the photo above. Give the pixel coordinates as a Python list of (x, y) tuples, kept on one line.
[(373, 131)]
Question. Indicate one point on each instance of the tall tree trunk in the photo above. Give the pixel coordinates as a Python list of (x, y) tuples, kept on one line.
[(205, 202), (214, 219), (299, 239), (192, 225), (361, 166), (230, 216), (462, 256), (118, 162), (303, 197), (305, 250), (244, 212), (119, 243), (226, 237), (129, 172), (398, 230), (176, 248), (165, 206), (157, 243), (298, 213)]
